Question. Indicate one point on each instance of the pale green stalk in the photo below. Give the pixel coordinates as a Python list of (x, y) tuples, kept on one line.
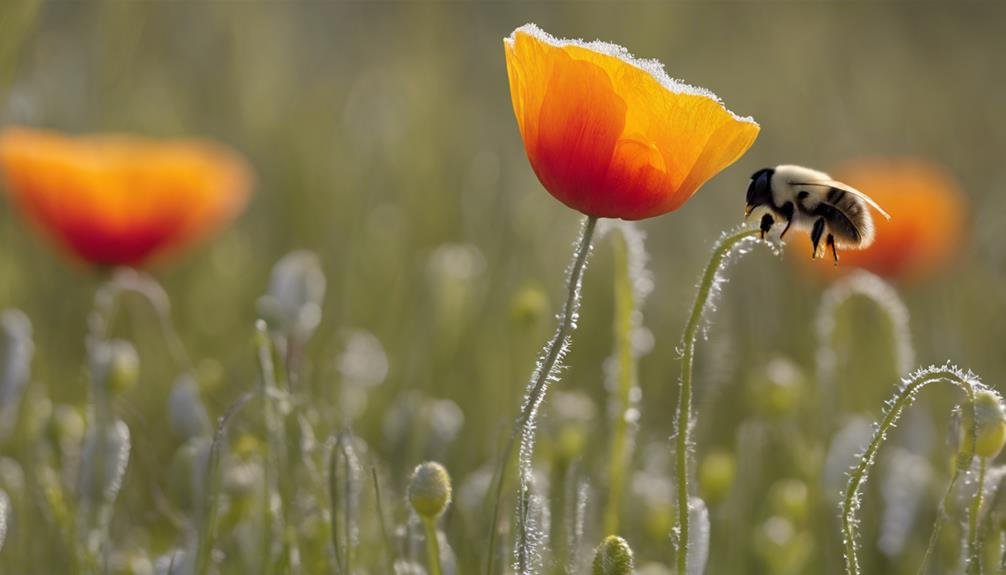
[(207, 531), (625, 309), (727, 243), (547, 370), (276, 468), (974, 562), (432, 546), (934, 533), (902, 399)]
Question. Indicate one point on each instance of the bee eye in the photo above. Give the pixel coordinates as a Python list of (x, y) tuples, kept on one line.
[(802, 195)]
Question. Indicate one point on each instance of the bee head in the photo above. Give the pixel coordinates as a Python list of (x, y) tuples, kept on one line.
[(760, 190)]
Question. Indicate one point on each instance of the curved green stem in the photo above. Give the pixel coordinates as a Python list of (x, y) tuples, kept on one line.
[(207, 529), (721, 250), (432, 546), (547, 370), (904, 398), (625, 312), (974, 562)]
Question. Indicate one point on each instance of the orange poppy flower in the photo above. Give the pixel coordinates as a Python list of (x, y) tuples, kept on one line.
[(121, 200), (613, 136), (927, 218)]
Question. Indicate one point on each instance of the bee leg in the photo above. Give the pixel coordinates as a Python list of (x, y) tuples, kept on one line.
[(787, 211), (834, 250), (767, 221), (815, 238)]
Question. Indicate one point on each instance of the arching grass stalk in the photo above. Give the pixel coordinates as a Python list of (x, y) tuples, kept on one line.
[(277, 470), (206, 535), (126, 280), (910, 387), (863, 284), (632, 284), (710, 284), (546, 371)]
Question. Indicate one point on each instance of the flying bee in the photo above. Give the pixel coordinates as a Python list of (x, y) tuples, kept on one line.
[(812, 200)]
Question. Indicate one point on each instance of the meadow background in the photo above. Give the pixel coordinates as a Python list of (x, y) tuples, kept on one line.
[(383, 139)]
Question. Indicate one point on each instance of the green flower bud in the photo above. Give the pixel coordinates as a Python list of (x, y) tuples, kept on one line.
[(123, 367), (430, 490), (716, 475), (613, 557), (991, 425)]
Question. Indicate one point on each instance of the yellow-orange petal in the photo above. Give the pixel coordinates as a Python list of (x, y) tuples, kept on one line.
[(613, 136), (122, 200), (927, 211)]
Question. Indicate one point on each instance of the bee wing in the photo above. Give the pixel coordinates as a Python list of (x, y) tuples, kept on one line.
[(851, 190)]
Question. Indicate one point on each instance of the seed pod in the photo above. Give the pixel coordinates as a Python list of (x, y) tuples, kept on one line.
[(613, 557), (430, 490), (123, 367), (990, 426)]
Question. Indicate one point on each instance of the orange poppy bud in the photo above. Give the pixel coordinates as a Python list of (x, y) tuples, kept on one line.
[(613, 136), (120, 200), (927, 219)]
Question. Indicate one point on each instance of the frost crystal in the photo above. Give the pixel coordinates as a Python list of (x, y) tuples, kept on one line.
[(652, 67)]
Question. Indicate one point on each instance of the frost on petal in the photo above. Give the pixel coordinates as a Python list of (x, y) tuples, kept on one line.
[(652, 67)]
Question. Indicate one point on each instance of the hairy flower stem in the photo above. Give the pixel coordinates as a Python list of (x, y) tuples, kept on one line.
[(682, 426), (974, 562), (432, 546), (885, 299), (625, 309), (277, 461), (904, 398), (934, 533), (207, 529), (546, 371)]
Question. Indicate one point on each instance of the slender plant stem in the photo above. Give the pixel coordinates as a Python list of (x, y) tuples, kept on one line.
[(904, 397), (432, 546), (682, 423), (208, 526), (941, 512), (546, 371), (389, 548), (974, 562), (333, 496), (275, 448), (625, 309)]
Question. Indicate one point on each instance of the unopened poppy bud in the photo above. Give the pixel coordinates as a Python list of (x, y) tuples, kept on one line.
[(613, 557), (430, 490), (987, 420), (123, 367)]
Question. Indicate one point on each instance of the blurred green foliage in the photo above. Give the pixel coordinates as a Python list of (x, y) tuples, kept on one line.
[(383, 140)]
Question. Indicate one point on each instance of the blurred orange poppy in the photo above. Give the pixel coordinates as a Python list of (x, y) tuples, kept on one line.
[(927, 218), (613, 136), (122, 200)]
